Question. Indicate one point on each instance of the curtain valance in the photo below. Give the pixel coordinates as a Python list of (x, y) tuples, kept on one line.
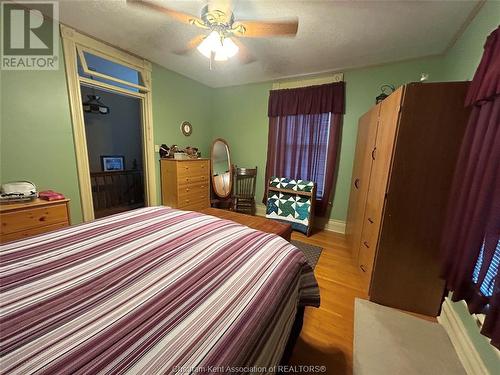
[(329, 98)]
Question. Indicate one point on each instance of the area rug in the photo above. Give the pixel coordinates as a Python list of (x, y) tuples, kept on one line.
[(388, 341), (311, 252)]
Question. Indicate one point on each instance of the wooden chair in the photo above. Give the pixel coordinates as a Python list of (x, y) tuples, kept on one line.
[(244, 182)]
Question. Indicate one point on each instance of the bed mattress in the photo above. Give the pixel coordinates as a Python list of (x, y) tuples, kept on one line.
[(150, 291)]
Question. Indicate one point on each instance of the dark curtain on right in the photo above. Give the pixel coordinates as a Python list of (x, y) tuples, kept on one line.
[(470, 245)]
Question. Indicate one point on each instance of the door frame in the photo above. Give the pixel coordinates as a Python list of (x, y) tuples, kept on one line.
[(73, 45)]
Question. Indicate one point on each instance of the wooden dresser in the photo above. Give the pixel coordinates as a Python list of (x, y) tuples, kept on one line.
[(185, 184), (20, 220), (405, 156)]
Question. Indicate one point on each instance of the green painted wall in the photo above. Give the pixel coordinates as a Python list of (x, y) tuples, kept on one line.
[(240, 116), (35, 115), (461, 61), (176, 99), (36, 134), (240, 112)]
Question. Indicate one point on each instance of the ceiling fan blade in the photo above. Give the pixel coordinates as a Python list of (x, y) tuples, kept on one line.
[(257, 29), (179, 16), (190, 46), (244, 56)]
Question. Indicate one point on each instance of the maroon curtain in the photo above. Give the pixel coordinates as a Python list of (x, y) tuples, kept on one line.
[(470, 245), (303, 139)]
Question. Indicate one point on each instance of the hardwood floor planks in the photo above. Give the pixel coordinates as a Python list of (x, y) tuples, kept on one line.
[(327, 333)]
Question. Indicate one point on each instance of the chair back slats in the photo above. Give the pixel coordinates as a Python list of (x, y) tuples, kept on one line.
[(245, 180)]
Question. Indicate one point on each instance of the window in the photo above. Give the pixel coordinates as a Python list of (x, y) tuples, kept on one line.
[(307, 141), (93, 66), (303, 137), (488, 283)]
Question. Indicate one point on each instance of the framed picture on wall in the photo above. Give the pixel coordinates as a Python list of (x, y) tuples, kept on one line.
[(112, 163)]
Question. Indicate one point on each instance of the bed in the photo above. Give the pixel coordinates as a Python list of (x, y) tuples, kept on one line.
[(154, 290)]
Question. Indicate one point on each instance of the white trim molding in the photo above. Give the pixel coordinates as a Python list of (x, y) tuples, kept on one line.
[(74, 45), (330, 225), (462, 342)]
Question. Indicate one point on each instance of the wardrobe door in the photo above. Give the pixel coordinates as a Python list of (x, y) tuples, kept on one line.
[(431, 128), (367, 129), (381, 157)]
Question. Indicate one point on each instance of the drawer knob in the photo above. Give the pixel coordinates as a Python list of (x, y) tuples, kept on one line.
[(356, 183), (362, 268), (43, 218)]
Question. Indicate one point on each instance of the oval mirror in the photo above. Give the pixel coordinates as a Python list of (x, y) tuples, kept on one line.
[(222, 178)]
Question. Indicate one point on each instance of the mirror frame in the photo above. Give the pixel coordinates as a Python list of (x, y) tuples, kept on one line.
[(212, 168)]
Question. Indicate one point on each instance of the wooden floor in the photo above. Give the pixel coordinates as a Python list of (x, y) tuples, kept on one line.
[(327, 333)]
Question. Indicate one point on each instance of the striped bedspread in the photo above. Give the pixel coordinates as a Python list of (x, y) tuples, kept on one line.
[(150, 291)]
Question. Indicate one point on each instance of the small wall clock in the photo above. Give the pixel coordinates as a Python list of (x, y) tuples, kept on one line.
[(186, 128)]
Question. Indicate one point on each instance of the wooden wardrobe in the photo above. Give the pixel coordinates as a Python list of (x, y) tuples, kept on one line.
[(406, 151)]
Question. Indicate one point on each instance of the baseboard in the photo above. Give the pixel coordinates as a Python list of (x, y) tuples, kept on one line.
[(465, 348), (332, 225)]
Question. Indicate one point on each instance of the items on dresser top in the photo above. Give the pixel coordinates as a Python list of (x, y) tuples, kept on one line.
[(50, 195), (185, 184), (18, 191), (25, 219)]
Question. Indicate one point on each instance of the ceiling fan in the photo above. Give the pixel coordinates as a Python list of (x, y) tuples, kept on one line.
[(220, 41)]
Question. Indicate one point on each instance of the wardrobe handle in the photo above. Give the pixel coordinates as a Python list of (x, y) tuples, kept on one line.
[(356, 183), (370, 220), (362, 268), (373, 153), (366, 244)]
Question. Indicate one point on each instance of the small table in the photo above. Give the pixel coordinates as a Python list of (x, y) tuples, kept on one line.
[(255, 222)]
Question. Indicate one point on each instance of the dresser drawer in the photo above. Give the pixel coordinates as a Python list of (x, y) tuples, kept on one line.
[(192, 169), (7, 237), (195, 190), (193, 203), (187, 181), (20, 220)]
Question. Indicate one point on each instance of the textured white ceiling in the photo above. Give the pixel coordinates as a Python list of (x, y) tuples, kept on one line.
[(332, 35)]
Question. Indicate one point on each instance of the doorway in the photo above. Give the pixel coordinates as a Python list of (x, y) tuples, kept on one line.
[(114, 148), (92, 64)]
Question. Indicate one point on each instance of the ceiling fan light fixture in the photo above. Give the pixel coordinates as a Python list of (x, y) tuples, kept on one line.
[(222, 48)]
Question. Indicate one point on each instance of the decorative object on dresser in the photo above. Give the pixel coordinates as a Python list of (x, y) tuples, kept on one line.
[(244, 190), (192, 152), (291, 201), (18, 191), (164, 151), (50, 195), (221, 172), (185, 183), (406, 151), (25, 219)]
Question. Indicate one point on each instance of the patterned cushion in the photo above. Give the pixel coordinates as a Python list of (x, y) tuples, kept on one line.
[(288, 207)]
